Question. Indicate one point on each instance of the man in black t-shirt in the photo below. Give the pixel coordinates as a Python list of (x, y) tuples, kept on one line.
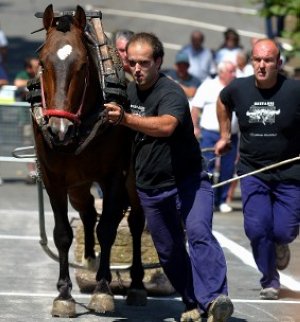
[(268, 109), (172, 185)]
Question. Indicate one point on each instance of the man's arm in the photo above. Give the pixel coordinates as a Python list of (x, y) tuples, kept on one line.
[(195, 112), (224, 117), (156, 126)]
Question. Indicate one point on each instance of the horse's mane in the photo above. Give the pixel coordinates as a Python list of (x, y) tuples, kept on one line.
[(64, 23)]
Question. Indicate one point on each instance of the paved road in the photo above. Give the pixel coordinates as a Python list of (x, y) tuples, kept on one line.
[(27, 275)]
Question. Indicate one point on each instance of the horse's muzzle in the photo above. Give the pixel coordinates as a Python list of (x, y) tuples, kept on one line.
[(62, 131)]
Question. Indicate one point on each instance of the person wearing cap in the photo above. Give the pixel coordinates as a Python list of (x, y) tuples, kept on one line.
[(181, 75)]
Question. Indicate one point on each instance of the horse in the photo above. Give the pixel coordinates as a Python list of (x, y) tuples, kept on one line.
[(75, 147)]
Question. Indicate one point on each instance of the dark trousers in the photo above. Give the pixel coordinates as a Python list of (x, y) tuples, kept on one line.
[(271, 215), (200, 277)]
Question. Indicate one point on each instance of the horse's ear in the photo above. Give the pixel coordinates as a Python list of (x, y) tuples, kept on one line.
[(48, 16), (80, 18)]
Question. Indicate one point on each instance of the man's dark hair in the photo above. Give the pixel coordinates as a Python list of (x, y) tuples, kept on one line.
[(152, 40)]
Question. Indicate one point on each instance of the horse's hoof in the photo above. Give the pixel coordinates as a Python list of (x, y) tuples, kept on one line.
[(102, 303), (63, 308), (136, 297), (90, 263)]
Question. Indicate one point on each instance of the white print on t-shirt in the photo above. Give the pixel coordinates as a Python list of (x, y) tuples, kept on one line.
[(262, 112), (137, 110)]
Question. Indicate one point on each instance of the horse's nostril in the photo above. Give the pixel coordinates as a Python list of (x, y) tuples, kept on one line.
[(60, 128)]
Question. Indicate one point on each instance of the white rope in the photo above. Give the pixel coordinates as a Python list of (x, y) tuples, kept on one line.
[(13, 159), (275, 165)]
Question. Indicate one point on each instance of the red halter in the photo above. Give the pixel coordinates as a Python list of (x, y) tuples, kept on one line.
[(61, 113)]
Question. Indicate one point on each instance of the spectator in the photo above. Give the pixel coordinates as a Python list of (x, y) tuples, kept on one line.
[(180, 75), (269, 118), (243, 67), (172, 186), (3, 76), (201, 58), (120, 39), (31, 66), (205, 100), (3, 57), (272, 21), (229, 49)]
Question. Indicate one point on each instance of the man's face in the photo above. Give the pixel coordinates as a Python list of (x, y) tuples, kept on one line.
[(142, 65), (266, 63), (228, 74), (197, 40), (182, 69), (121, 47)]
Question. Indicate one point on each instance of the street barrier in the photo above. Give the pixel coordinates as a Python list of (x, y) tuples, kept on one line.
[(15, 127)]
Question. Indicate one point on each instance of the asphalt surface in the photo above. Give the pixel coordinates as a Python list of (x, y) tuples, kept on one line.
[(27, 275)]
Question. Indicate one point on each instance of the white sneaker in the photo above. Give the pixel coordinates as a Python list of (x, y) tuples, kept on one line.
[(224, 208), (269, 293)]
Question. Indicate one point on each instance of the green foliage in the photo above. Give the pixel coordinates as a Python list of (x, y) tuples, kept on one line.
[(284, 8)]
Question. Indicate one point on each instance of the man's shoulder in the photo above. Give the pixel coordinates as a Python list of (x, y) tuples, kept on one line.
[(242, 81)]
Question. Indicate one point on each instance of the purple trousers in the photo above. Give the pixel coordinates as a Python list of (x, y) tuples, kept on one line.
[(200, 276), (271, 215)]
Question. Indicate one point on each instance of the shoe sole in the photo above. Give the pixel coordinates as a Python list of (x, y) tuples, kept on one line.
[(221, 310), (286, 256)]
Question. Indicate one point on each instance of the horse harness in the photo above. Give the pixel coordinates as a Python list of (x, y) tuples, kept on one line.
[(111, 78)]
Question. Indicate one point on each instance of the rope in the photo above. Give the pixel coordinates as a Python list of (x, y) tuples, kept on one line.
[(272, 166)]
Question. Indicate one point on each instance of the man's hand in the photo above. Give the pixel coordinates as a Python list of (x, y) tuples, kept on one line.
[(115, 113), (222, 147)]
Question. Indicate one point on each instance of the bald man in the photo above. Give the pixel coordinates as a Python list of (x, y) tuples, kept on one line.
[(268, 108)]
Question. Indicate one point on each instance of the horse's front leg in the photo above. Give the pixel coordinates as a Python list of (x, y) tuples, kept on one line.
[(113, 203), (83, 201), (63, 304)]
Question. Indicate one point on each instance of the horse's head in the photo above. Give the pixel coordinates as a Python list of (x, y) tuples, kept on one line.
[(65, 75)]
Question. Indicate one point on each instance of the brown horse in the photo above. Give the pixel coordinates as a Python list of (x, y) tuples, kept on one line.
[(75, 147)]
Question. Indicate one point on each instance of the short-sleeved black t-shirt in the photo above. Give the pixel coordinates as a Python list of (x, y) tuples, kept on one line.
[(269, 121), (163, 161)]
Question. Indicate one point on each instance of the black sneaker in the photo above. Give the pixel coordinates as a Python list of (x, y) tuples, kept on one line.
[(220, 309), (283, 256)]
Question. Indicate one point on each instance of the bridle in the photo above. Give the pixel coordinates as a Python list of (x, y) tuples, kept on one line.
[(53, 112)]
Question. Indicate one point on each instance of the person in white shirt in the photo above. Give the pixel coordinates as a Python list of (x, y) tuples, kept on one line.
[(206, 128), (243, 67)]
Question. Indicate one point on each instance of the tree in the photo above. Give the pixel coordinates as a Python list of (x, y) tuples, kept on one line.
[(285, 8)]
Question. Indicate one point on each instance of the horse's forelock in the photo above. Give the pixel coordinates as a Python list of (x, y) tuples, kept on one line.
[(64, 23)]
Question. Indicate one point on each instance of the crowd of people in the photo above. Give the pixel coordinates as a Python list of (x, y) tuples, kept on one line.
[(237, 112)]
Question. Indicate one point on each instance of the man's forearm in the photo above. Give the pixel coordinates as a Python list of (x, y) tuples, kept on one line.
[(224, 117)]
